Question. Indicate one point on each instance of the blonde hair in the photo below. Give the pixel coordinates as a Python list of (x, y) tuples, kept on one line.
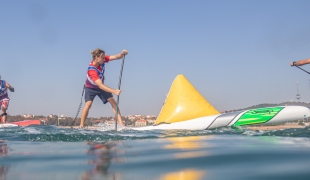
[(97, 53)]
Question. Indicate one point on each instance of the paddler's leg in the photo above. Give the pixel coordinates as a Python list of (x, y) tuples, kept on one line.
[(90, 94), (4, 106), (108, 97), (85, 112), (3, 118), (112, 101)]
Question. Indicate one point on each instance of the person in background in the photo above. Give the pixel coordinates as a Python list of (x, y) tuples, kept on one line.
[(300, 62), (4, 98), (94, 85)]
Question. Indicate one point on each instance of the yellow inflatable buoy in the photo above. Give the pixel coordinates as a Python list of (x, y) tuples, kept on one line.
[(183, 103)]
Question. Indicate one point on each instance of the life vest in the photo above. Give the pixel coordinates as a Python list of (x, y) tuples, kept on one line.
[(89, 82), (3, 90)]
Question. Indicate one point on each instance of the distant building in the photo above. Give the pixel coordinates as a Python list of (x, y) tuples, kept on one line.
[(131, 118), (110, 122), (140, 122), (150, 121), (62, 116), (28, 115), (150, 117)]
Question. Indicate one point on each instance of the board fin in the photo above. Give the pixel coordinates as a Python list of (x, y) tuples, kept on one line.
[(183, 103)]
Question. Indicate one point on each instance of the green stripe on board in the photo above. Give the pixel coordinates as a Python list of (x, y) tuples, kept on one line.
[(257, 116)]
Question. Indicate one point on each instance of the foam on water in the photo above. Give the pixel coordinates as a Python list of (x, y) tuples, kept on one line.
[(109, 127)]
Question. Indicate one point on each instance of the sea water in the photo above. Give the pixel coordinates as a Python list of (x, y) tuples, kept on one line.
[(49, 152)]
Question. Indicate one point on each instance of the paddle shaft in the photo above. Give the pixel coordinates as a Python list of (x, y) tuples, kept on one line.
[(302, 69), (78, 111), (119, 87)]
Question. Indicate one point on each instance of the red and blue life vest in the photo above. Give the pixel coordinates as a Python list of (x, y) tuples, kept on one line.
[(89, 82)]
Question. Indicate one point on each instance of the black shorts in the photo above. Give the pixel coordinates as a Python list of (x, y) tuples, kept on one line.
[(90, 94)]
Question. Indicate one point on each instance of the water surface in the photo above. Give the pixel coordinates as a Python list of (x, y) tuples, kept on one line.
[(48, 152)]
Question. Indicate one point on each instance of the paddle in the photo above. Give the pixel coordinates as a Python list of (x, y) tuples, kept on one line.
[(78, 111), (302, 69), (119, 87), (294, 64)]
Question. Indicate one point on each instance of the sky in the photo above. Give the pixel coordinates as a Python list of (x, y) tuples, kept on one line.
[(235, 53)]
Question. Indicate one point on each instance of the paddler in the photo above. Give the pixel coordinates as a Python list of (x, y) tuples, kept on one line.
[(94, 85), (4, 98)]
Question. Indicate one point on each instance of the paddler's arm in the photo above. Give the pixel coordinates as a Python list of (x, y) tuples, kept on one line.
[(106, 88), (9, 87), (300, 62), (118, 56)]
